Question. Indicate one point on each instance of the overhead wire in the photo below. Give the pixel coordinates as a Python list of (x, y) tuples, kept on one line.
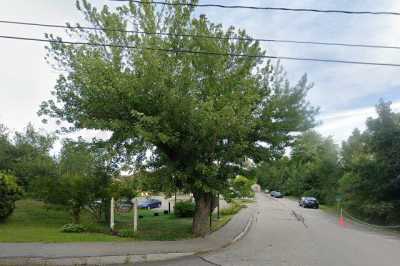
[(266, 8), (200, 36), (199, 52)]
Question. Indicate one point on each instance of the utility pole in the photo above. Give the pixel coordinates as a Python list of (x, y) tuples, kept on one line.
[(211, 200), (112, 214), (135, 215), (218, 206)]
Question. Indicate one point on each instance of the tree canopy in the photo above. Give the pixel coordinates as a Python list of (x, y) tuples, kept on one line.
[(371, 161), (200, 115), (311, 170)]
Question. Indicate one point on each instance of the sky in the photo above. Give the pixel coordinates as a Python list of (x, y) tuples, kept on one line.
[(346, 94)]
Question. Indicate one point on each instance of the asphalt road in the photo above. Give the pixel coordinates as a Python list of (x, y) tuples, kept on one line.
[(285, 234)]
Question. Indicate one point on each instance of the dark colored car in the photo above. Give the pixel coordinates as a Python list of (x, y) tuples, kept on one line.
[(309, 202), (149, 204), (276, 194), (124, 205)]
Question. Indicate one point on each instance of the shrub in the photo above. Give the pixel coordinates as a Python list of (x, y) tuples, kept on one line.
[(127, 233), (242, 186), (73, 228), (233, 208), (9, 193), (184, 209)]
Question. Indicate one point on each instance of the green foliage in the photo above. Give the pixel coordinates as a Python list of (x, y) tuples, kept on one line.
[(311, 170), (234, 207), (126, 233), (73, 228), (33, 221), (7, 150), (242, 186), (371, 161), (124, 187), (83, 177), (184, 209), (201, 116), (9, 193), (27, 156), (273, 175)]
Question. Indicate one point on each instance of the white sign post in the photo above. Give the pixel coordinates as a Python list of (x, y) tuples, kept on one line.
[(135, 214), (112, 215)]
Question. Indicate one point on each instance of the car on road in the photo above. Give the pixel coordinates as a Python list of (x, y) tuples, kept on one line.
[(149, 204), (276, 194), (309, 202)]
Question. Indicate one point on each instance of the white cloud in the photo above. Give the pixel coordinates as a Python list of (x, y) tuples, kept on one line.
[(341, 124)]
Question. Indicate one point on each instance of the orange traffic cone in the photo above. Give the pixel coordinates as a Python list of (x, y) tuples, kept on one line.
[(342, 222)]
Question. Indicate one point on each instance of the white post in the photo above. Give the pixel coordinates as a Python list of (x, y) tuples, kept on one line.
[(112, 214), (135, 215)]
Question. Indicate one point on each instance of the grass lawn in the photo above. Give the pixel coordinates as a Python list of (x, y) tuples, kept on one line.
[(33, 222), (150, 227)]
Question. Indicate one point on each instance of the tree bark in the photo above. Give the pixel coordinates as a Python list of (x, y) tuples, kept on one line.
[(76, 214), (106, 209), (201, 224)]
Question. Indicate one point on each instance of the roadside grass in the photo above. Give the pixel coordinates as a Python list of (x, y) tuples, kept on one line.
[(226, 214), (218, 223), (33, 221), (332, 209), (245, 201), (150, 227)]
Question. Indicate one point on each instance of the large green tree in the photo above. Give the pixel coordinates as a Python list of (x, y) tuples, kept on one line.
[(27, 155), (7, 149), (371, 161), (315, 167), (31, 157), (312, 169), (200, 115), (84, 177)]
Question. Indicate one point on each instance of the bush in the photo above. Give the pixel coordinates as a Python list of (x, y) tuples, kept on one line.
[(184, 209), (73, 228), (126, 233), (9, 193), (242, 186), (233, 208)]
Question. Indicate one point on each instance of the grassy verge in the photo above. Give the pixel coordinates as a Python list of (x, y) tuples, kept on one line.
[(150, 227), (32, 221), (332, 209)]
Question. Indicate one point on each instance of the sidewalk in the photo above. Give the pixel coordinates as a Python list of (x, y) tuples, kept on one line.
[(128, 252)]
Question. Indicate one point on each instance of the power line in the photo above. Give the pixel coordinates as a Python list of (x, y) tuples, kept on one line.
[(202, 52), (347, 12), (202, 36)]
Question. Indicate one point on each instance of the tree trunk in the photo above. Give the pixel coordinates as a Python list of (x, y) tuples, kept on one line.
[(76, 215), (106, 209), (201, 223)]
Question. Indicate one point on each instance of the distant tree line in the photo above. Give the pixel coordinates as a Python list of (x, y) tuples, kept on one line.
[(80, 175), (363, 174)]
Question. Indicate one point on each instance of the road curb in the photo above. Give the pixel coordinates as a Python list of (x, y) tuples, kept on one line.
[(235, 239), (95, 260), (119, 259)]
